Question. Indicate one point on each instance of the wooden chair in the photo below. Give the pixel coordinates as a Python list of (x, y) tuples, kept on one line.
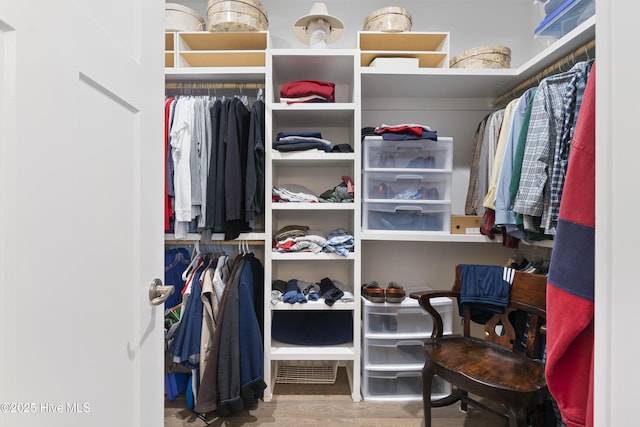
[(501, 368)]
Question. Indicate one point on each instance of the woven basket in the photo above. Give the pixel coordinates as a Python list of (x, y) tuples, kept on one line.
[(483, 57), (235, 15), (182, 18), (389, 19)]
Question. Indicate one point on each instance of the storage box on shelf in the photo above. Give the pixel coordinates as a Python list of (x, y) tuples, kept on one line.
[(430, 48), (399, 386), (465, 224), (407, 185), (412, 155), (392, 357), (567, 16)]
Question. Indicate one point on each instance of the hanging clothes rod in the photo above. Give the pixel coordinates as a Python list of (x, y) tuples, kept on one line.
[(551, 69), (215, 242), (210, 85)]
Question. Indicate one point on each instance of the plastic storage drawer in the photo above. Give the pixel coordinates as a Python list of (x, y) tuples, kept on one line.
[(417, 154), (565, 18), (386, 352), (404, 320), (407, 216), (407, 185), (400, 385)]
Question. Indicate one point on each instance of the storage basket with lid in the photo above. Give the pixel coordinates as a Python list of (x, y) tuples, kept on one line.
[(182, 18), (236, 15), (495, 56), (389, 19)]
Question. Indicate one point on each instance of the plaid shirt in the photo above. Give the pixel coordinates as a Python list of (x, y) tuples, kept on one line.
[(572, 102), (547, 118)]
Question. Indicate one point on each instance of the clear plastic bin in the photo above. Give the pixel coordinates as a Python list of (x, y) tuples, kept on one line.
[(407, 216), (565, 18), (422, 154), (405, 320), (394, 352), (400, 385), (407, 186)]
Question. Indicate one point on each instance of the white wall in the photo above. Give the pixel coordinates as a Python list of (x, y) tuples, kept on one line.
[(474, 23)]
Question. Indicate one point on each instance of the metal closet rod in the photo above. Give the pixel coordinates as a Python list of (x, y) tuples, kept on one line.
[(211, 85), (215, 242), (551, 69)]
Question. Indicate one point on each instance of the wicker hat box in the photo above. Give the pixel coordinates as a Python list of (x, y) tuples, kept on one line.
[(388, 19), (495, 56), (236, 15), (182, 18)]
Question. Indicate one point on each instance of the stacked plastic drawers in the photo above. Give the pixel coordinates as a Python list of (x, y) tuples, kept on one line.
[(392, 357), (407, 185)]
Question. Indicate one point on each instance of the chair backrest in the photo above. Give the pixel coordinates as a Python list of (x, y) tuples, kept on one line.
[(525, 313)]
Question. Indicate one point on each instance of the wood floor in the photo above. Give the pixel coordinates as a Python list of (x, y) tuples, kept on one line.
[(335, 410), (329, 405)]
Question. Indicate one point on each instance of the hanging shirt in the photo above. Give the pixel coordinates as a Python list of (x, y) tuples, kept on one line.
[(505, 133), (181, 155), (571, 283), (545, 124), (487, 153), (503, 202), (572, 103)]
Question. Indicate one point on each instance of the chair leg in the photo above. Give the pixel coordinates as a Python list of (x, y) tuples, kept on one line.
[(539, 420), (517, 417), (463, 403), (427, 379)]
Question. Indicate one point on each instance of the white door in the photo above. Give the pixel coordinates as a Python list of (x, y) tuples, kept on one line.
[(81, 181)]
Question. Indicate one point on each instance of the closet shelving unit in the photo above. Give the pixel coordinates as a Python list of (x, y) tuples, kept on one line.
[(366, 96), (216, 63), (338, 122), (430, 48), (447, 91)]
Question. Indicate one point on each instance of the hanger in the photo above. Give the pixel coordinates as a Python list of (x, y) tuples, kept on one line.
[(194, 261)]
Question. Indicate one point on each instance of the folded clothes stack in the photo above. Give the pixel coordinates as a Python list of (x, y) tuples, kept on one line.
[(298, 91), (301, 141), (296, 238), (405, 131)]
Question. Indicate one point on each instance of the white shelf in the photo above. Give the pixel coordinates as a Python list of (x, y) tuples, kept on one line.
[(413, 236), (313, 305), (311, 156), (283, 351), (310, 256), (301, 206), (469, 83), (215, 237), (218, 74), (430, 48), (313, 106)]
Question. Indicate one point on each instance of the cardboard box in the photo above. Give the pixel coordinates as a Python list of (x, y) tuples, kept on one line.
[(465, 224)]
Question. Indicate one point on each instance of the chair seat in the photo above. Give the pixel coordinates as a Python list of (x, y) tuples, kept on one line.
[(479, 364)]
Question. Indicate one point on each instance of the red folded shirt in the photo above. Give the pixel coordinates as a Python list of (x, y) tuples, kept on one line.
[(414, 130), (302, 88)]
